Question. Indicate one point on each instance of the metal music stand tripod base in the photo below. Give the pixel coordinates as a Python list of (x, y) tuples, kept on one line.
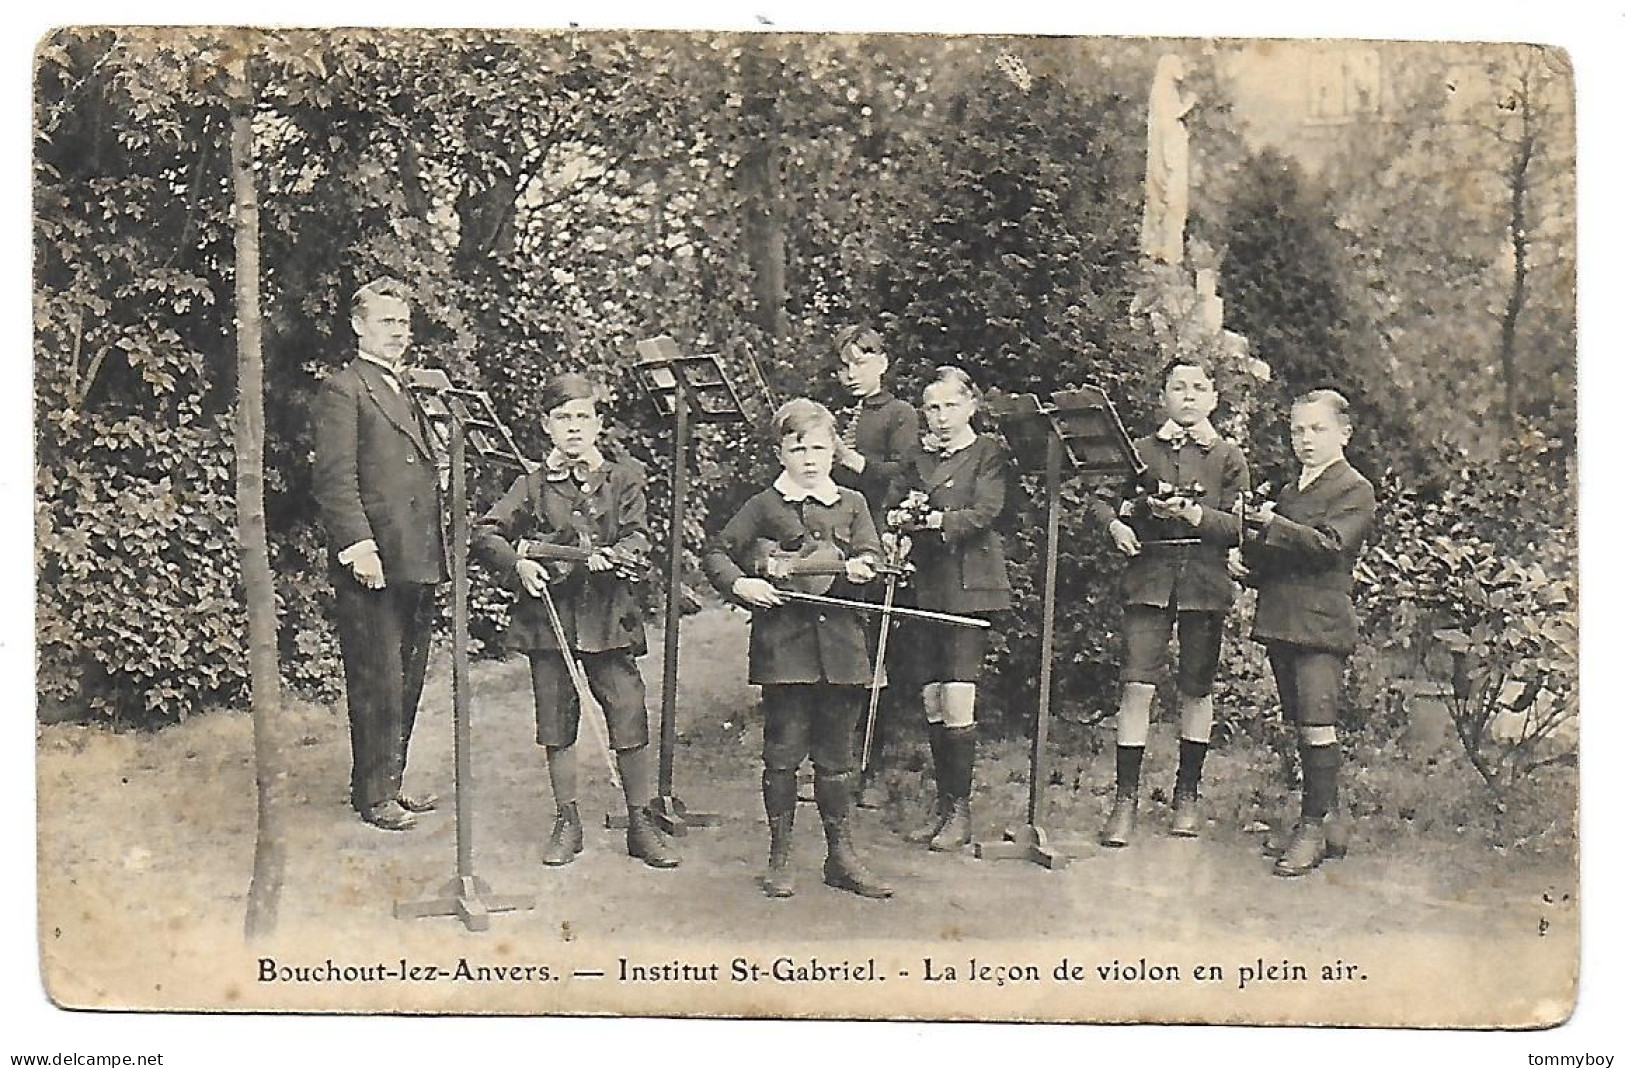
[(467, 897), (670, 815), (1081, 431), (1025, 842)]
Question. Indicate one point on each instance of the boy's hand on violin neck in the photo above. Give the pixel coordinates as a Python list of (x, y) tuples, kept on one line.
[(756, 592), (860, 569)]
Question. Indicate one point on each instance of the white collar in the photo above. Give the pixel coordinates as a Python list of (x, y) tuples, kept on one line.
[(826, 493), (558, 463), (379, 361), (958, 443), (1307, 477), (1202, 433)]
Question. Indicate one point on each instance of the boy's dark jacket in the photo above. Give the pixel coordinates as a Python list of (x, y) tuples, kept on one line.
[(1303, 565), (799, 643), (600, 610), (961, 568), (1186, 577)]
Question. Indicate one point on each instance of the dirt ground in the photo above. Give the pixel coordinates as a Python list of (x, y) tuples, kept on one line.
[(142, 834)]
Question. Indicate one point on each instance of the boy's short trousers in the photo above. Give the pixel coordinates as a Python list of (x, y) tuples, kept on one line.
[(1309, 682), (941, 653), (612, 677), (1146, 629), (810, 719)]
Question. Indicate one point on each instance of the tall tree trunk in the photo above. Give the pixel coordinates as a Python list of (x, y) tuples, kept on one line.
[(1518, 222), (270, 749), (762, 183)]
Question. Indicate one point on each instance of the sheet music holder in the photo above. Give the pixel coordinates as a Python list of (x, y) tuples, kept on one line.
[(458, 419), (687, 389), (1078, 429)]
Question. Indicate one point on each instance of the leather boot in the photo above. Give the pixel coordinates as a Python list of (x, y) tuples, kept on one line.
[(959, 750), (645, 842), (939, 815), (779, 801), (842, 868), (1306, 850), (1120, 824), (1187, 821), (566, 840)]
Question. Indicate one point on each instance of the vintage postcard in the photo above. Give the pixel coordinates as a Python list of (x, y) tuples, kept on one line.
[(904, 527)]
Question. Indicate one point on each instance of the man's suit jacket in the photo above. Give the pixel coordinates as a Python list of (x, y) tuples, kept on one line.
[(375, 475), (1303, 565)]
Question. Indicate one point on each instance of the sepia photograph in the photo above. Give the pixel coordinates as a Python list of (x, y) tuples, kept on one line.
[(754, 523)]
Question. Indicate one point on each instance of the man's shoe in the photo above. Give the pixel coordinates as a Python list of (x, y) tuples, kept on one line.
[(424, 802), (390, 816), (566, 841), (1120, 824)]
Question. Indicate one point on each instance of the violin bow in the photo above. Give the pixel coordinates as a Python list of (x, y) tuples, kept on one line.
[(591, 711), (896, 558)]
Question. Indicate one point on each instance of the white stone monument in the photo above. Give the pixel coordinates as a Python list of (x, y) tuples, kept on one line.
[(1167, 165)]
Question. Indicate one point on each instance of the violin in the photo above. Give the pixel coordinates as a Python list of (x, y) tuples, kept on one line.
[(631, 567), (811, 569)]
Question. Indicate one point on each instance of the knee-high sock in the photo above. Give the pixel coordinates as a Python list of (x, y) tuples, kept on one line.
[(1320, 767), (1128, 769), (1189, 775), (561, 772), (637, 775)]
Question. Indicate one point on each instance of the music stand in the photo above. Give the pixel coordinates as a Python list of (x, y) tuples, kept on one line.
[(1078, 429), (459, 418), (686, 389)]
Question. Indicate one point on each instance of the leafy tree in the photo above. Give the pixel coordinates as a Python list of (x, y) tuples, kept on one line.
[(1459, 208)]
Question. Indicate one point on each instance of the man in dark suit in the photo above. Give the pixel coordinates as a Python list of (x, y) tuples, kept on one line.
[(378, 492), (1301, 556)]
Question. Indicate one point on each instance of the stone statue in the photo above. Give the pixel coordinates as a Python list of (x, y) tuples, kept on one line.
[(1167, 165)]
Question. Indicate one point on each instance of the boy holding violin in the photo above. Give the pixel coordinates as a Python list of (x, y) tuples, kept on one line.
[(574, 529), (811, 660), (1175, 540)]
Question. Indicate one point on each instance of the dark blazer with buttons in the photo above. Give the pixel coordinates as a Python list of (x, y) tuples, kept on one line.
[(1189, 578), (961, 568), (599, 610), (374, 475), (799, 643), (886, 434), (1303, 565)]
